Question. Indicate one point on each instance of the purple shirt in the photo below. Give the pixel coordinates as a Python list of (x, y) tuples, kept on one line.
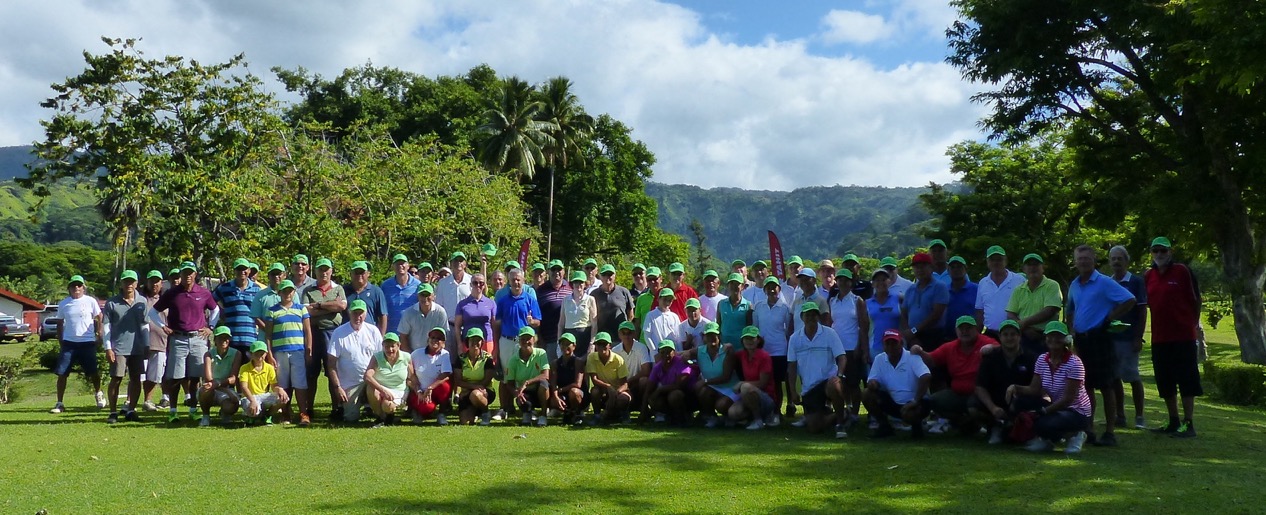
[(551, 302), (476, 314), (186, 310), (675, 369)]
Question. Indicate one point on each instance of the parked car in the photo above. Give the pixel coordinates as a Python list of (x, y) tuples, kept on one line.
[(48, 328), (11, 329)]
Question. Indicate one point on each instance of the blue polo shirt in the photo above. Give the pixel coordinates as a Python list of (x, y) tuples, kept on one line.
[(1090, 303), (921, 299), (235, 311), (961, 302), (1138, 288), (375, 302), (399, 298), (945, 276), (512, 311)]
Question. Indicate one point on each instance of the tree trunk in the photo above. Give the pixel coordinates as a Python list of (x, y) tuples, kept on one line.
[(549, 233), (1244, 279)]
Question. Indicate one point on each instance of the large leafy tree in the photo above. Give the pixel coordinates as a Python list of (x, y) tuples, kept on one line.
[(514, 135), (1161, 108), (569, 130)]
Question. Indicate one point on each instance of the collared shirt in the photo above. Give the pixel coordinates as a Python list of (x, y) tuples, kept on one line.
[(680, 296), (962, 302), (633, 358), (186, 310), (1055, 377), (399, 298), (375, 302), (353, 349), (429, 367), (416, 326), (733, 319), (128, 334), (1174, 300), (266, 298), (667, 373), (521, 370), (513, 311), (708, 304), (450, 291), (288, 326), (1092, 301), (235, 311), (332, 292), (576, 312), (773, 323), (901, 381), (992, 297), (883, 316), (222, 365), (815, 357), (1026, 302), (754, 363), (566, 370), (474, 371), (477, 313), (962, 365), (260, 381), (824, 307), (996, 373), (157, 337), (899, 286), (610, 372), (660, 326), (550, 300), (1135, 285), (844, 319), (944, 276), (693, 331), (613, 308), (642, 307), (921, 299), (391, 375)]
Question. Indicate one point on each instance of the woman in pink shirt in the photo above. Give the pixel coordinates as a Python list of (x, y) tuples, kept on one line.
[(1058, 390), (756, 383)]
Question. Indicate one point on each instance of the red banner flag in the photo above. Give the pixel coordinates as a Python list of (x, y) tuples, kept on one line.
[(523, 253), (775, 256)]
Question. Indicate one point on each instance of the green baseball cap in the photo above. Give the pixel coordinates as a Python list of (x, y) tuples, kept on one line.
[(888, 261), (399, 257), (710, 273), (795, 260), (538, 266), (1009, 323), (324, 262), (627, 326), (75, 279), (254, 266), (258, 346), (276, 267), (286, 285), (489, 250), (602, 336), (760, 263), (809, 306), (1055, 326), (128, 274), (844, 272), (174, 271), (965, 320), (590, 262), (441, 330), (241, 263), (475, 332), (667, 344), (425, 266), (578, 276), (667, 292), (606, 269), (527, 331), (959, 260), (511, 265), (653, 272), (556, 263), (734, 278), (995, 250), (751, 331), (223, 331), (771, 280), (567, 337), (676, 267), (850, 257), (426, 288), (1161, 241), (358, 305), (188, 265), (639, 266), (391, 337), (299, 258), (459, 255), (360, 265), (1033, 257), (692, 303), (153, 274), (738, 262), (711, 328), (936, 242)]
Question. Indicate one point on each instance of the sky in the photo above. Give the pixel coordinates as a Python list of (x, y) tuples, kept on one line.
[(738, 93)]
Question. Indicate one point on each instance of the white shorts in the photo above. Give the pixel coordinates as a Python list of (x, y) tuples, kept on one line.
[(156, 367), (292, 369), (265, 400), (506, 347)]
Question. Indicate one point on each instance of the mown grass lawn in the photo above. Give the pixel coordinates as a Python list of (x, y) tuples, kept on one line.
[(74, 463)]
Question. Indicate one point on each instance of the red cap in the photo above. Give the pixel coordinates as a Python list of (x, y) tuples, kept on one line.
[(922, 257), (892, 334)]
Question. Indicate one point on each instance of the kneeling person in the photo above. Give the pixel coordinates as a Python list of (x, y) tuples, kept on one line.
[(606, 370), (218, 380), (756, 385), (350, 350), (672, 380), (816, 355), (527, 377), (473, 383), (1008, 364), (567, 382), (896, 387), (257, 382), (429, 388), (386, 380), (961, 358)]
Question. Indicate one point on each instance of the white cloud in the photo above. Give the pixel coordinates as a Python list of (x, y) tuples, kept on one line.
[(841, 26), (716, 113)]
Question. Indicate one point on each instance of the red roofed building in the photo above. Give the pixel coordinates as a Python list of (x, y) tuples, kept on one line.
[(23, 308)]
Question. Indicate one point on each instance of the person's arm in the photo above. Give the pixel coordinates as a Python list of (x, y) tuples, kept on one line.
[(214, 319), (1043, 315), (727, 371), (307, 338), (921, 389), (372, 381), (1033, 388), (591, 369), (863, 330), (331, 371), (207, 377), (382, 324), (929, 358), (593, 309), (1120, 310), (1070, 396), (793, 395), (496, 331), (231, 380)]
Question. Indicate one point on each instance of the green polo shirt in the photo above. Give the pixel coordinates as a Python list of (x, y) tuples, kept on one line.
[(521, 370), (222, 366), (1025, 302), (391, 376), (314, 294), (643, 306)]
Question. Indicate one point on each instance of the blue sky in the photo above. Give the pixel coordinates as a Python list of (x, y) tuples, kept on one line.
[(749, 94)]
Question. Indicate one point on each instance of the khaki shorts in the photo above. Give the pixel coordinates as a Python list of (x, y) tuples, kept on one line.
[(122, 364)]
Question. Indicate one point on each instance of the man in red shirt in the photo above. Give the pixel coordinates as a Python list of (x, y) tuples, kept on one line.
[(682, 292), (961, 358), (1174, 301)]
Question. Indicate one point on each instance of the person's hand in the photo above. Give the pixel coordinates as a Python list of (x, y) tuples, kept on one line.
[(987, 349), (205, 332), (167, 330), (282, 396), (917, 350), (208, 386), (386, 394), (1010, 393), (110, 356), (483, 259), (1138, 345), (307, 354), (999, 413), (909, 408), (426, 395), (231, 381), (728, 347), (254, 409), (341, 394)]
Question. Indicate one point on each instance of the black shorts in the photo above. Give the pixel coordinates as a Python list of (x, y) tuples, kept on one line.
[(320, 342), (1099, 355), (889, 407), (780, 368), (1177, 368), (533, 396), (854, 370), (814, 400), (463, 403), (585, 398)]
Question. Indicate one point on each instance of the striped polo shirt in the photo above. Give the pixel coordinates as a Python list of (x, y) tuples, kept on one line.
[(288, 326), (235, 311), (1055, 378)]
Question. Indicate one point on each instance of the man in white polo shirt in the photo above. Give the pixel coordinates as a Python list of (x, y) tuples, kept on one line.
[(994, 291), (896, 387), (352, 345), (816, 355)]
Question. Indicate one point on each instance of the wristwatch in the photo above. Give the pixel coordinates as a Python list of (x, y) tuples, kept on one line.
[(914, 330)]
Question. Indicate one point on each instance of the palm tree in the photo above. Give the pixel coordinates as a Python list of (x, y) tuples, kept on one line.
[(514, 136), (569, 128)]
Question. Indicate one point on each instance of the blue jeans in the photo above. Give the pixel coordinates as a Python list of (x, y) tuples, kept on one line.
[(1058, 424)]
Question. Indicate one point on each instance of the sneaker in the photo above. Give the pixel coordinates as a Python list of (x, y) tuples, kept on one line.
[(995, 436), (756, 425), (791, 411), (840, 432), (499, 415), (551, 412), (193, 413), (773, 420), (417, 418), (131, 416), (485, 418), (58, 408), (268, 421), (1171, 427), (304, 420), (872, 423), (1139, 423), (441, 419), (165, 402), (1075, 443), (113, 418), (938, 426), (712, 423), (1107, 440), (541, 421), (206, 421), (226, 420), (173, 417), (1186, 430), (379, 425), (100, 399), (149, 406), (578, 421), (661, 418), (800, 423), (1038, 444), (527, 419)]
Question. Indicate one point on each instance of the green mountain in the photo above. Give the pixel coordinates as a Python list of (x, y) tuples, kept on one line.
[(12, 160), (814, 223)]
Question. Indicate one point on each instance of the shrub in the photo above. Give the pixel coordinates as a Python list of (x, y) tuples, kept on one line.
[(1237, 383), (10, 368), (41, 355)]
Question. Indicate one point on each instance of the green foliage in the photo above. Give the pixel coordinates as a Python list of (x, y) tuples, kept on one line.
[(42, 270), (10, 369), (1237, 383), (42, 354)]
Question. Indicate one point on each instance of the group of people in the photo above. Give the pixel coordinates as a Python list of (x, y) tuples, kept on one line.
[(1008, 356)]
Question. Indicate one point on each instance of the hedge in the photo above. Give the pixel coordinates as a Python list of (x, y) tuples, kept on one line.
[(1237, 383)]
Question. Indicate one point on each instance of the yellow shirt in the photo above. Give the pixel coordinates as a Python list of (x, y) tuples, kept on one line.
[(258, 381), (610, 372)]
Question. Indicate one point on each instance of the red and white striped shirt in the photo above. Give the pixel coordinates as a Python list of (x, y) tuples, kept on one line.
[(1055, 378)]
